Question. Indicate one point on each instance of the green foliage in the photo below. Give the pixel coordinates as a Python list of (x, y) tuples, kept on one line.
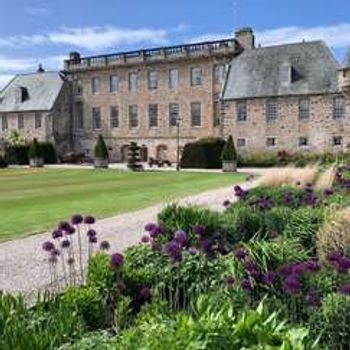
[(331, 322), (258, 159), (99, 273), (88, 303), (229, 151), (101, 150), (15, 139), (43, 327), (3, 163), (303, 224), (48, 152), (277, 219), (204, 153), (134, 157), (17, 154), (93, 341), (35, 150)]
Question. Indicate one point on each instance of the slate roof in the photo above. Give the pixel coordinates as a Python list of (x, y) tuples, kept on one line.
[(259, 72), (42, 88)]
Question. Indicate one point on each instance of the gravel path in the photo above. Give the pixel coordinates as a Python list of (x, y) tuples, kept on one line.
[(22, 262)]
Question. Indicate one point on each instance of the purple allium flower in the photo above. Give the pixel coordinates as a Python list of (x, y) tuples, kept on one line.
[(229, 281), (77, 219), (266, 203), (239, 192), (205, 244), (171, 247), (226, 203), (240, 253), (285, 270), (48, 246), (333, 256), (57, 234), (246, 284), (299, 268), (150, 227), (145, 239), (291, 284), (288, 198), (192, 250), (269, 277), (155, 231), (89, 220), (91, 233), (328, 192), (144, 293), (70, 261), (65, 244), (93, 239), (344, 289), (343, 264), (116, 260), (180, 237), (199, 229), (313, 265), (251, 266), (64, 226), (70, 230), (224, 249), (104, 245), (55, 252)]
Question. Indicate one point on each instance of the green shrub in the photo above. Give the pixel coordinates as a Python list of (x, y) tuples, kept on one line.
[(17, 154), (35, 150), (99, 273), (3, 163), (204, 153), (48, 152), (229, 151), (304, 224), (88, 303), (101, 150), (258, 159), (45, 326), (276, 220), (332, 322), (93, 341)]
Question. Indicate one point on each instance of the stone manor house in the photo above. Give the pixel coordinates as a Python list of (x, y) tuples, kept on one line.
[(286, 97)]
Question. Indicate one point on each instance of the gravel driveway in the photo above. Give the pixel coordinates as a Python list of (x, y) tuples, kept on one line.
[(22, 262)]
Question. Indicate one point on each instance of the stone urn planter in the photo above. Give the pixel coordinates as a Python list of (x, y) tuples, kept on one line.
[(37, 162), (229, 166), (100, 162)]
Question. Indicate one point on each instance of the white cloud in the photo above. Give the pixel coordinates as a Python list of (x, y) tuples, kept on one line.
[(337, 36), (93, 38), (98, 38), (37, 11), (9, 64)]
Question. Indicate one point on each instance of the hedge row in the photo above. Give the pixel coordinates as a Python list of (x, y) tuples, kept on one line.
[(19, 154)]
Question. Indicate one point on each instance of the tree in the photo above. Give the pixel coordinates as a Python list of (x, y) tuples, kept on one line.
[(229, 153), (101, 150), (134, 157)]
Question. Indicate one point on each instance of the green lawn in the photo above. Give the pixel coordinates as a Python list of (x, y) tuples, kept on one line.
[(34, 200)]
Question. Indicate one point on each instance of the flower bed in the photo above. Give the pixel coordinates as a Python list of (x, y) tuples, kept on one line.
[(268, 272)]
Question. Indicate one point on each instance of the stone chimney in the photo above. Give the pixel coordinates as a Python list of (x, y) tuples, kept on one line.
[(344, 75), (245, 37)]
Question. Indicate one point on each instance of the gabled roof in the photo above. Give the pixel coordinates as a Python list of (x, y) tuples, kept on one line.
[(291, 69), (41, 89), (346, 62)]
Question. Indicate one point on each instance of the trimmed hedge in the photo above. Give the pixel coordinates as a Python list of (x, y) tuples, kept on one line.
[(204, 154), (19, 154)]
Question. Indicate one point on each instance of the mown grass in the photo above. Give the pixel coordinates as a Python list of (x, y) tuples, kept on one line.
[(34, 200)]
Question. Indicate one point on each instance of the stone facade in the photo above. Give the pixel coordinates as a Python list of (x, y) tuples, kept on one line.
[(157, 141), (322, 130), (53, 125)]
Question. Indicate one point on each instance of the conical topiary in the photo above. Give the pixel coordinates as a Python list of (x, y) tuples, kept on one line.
[(101, 150), (229, 153)]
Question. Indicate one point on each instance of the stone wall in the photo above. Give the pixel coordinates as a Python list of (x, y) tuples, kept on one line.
[(320, 128)]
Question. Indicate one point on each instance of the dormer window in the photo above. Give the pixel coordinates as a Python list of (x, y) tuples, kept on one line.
[(285, 74), (22, 94)]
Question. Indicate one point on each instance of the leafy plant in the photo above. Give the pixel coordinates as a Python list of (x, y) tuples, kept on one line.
[(35, 150), (101, 150), (229, 151)]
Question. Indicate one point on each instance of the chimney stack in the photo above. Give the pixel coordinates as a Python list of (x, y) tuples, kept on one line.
[(245, 37)]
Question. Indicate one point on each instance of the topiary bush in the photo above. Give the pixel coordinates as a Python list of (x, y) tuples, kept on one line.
[(3, 163), (204, 153), (35, 150), (134, 157), (101, 150), (48, 152), (17, 154), (229, 151)]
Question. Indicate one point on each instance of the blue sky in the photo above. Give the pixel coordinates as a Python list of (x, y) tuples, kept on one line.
[(33, 31)]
